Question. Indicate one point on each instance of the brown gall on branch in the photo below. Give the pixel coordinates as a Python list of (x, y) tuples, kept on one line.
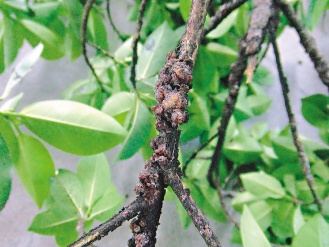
[(88, 6), (303, 160), (142, 8), (249, 48), (102, 230), (307, 40), (221, 14)]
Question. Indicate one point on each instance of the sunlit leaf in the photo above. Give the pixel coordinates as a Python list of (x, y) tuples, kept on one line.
[(72, 127), (224, 26), (262, 185), (252, 235), (314, 233)]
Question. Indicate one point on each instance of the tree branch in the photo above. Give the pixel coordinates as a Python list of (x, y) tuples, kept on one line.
[(221, 14), (102, 230), (249, 47), (88, 6), (142, 8), (307, 40), (303, 160), (108, 11)]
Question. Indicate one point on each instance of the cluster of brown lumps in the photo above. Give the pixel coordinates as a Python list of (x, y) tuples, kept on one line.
[(171, 93)]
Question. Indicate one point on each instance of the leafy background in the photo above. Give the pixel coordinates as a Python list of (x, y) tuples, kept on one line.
[(49, 79)]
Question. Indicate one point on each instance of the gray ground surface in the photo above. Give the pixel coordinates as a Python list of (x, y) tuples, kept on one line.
[(49, 79)]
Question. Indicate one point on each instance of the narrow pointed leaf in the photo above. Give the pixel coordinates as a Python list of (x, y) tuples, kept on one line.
[(73, 127)]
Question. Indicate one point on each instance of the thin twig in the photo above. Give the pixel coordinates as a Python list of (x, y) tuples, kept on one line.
[(87, 8), (108, 11), (102, 230), (106, 53), (221, 14), (308, 41), (197, 151), (142, 8), (303, 160)]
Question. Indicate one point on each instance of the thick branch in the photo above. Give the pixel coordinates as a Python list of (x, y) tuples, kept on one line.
[(136, 38), (102, 230), (303, 160), (221, 14), (308, 41)]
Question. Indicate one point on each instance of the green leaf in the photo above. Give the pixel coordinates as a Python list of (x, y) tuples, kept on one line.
[(243, 148), (11, 104), (205, 79), (283, 217), (34, 167), (251, 233), (118, 105), (107, 205), (321, 169), (315, 109), (304, 193), (5, 172), (72, 127), (324, 135), (184, 7), (94, 174), (315, 233), (138, 133), (157, 45), (315, 12), (290, 184), (224, 56), (224, 26), (22, 68), (262, 185), (199, 118), (262, 213), (51, 40), (9, 136), (243, 198), (67, 191), (97, 30), (62, 226), (259, 104), (285, 149), (12, 40), (298, 220), (124, 52)]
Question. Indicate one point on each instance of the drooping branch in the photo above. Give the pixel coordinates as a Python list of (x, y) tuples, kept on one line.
[(303, 160), (142, 8), (249, 48), (221, 14), (102, 230), (115, 29), (88, 6), (307, 40)]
